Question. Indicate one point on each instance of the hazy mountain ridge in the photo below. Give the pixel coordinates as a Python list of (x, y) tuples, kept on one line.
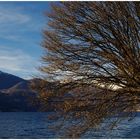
[(16, 94)]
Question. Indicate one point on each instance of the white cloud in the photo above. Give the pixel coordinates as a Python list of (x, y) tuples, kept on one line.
[(13, 37), (18, 25), (13, 21), (17, 62), (16, 21), (12, 16)]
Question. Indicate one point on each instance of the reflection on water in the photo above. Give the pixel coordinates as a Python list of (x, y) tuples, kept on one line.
[(35, 125)]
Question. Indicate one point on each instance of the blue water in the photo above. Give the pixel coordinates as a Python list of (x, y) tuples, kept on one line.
[(36, 125)]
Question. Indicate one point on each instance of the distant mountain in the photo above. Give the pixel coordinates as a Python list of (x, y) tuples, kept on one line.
[(8, 80), (21, 86), (16, 94)]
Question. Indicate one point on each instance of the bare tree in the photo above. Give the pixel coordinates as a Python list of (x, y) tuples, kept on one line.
[(93, 50)]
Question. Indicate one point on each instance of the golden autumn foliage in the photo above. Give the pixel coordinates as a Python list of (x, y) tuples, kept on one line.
[(90, 47)]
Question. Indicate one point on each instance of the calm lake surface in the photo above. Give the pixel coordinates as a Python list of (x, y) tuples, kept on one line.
[(36, 125)]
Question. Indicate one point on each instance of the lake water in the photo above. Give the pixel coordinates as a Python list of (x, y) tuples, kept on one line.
[(36, 125)]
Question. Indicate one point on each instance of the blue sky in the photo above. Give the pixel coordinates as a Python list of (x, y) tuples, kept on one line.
[(21, 25)]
